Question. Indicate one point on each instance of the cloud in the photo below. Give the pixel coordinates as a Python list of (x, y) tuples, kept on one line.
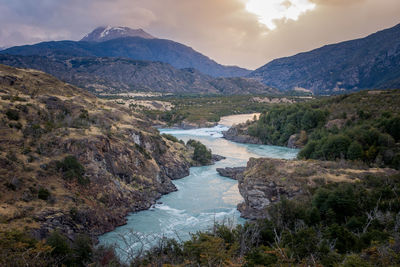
[(337, 2), (221, 29)]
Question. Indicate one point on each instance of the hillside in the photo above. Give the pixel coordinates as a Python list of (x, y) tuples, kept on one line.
[(353, 127), (115, 75), (167, 51), (367, 63), (72, 162)]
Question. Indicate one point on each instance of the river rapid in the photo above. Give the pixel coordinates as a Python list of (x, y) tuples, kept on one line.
[(203, 197)]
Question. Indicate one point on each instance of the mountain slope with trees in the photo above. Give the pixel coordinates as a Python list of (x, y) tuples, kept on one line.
[(116, 75), (353, 127), (368, 63)]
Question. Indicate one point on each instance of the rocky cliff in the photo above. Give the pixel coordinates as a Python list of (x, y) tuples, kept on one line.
[(266, 181), (232, 173), (239, 133), (72, 162)]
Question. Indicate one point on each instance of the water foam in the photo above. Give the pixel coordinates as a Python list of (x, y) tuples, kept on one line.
[(215, 131)]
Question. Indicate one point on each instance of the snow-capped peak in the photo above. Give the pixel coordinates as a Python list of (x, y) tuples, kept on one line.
[(106, 33)]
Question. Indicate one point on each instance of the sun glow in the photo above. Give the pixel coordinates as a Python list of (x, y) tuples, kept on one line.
[(268, 11)]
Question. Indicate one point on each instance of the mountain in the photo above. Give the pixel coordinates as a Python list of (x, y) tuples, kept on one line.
[(367, 63), (178, 55), (102, 34), (116, 75)]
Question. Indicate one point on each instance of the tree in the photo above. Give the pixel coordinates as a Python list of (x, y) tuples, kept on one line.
[(336, 147), (201, 153), (355, 151)]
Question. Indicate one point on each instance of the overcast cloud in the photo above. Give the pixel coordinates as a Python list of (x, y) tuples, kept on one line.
[(220, 29)]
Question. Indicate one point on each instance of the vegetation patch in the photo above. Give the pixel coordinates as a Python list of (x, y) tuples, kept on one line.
[(43, 194), (201, 153), (352, 127), (12, 114), (72, 169)]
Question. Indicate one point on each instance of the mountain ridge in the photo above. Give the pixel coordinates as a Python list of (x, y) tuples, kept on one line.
[(116, 75), (178, 55), (364, 63)]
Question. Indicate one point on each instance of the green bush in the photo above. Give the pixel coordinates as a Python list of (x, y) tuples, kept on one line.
[(335, 147), (59, 243), (72, 169), (43, 193), (12, 114), (201, 153), (355, 151), (170, 137)]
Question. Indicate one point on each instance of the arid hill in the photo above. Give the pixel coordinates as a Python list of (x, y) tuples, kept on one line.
[(73, 162)]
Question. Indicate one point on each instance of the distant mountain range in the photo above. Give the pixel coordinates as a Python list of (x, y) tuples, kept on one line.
[(122, 42), (367, 63), (116, 75), (118, 59)]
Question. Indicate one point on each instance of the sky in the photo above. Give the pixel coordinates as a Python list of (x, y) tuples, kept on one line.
[(246, 33)]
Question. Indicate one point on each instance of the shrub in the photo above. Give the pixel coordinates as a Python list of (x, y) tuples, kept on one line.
[(12, 114), (170, 137), (355, 151), (59, 243), (20, 249), (72, 169), (335, 147), (393, 128), (201, 153), (83, 249), (143, 151), (43, 194)]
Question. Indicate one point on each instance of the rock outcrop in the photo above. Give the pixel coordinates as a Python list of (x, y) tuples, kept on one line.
[(231, 172), (239, 134), (266, 181)]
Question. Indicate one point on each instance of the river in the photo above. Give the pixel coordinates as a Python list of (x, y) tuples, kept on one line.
[(202, 198)]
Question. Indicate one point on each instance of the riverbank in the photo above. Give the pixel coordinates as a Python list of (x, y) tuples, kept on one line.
[(202, 197)]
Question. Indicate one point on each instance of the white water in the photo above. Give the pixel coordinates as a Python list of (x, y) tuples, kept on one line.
[(202, 198)]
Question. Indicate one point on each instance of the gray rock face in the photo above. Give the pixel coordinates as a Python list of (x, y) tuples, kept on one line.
[(239, 135), (368, 63), (231, 172), (292, 141), (102, 34), (261, 185), (215, 158)]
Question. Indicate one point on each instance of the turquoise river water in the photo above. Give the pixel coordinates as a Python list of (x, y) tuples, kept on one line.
[(202, 198)]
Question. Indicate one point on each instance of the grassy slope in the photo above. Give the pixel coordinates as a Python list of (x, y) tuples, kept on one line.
[(44, 120)]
